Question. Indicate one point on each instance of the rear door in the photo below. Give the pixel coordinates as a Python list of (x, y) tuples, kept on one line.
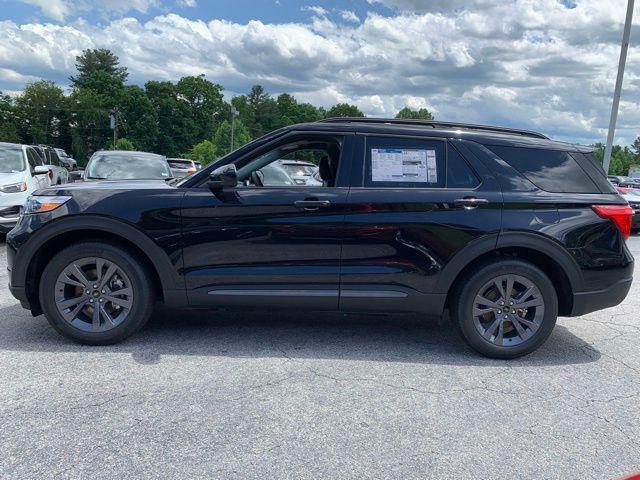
[(416, 204)]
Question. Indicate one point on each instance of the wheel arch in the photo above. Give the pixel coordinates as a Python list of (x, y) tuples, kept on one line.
[(542, 252), (45, 243)]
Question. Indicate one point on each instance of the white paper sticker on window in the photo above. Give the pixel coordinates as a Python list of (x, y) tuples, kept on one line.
[(399, 165)]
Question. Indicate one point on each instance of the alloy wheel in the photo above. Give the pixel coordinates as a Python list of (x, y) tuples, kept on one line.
[(508, 310), (93, 294)]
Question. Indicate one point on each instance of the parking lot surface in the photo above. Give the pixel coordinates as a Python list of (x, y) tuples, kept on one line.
[(295, 395)]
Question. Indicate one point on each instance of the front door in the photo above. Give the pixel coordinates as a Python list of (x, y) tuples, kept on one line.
[(272, 240)]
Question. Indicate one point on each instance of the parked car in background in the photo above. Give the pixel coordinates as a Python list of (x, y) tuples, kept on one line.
[(632, 196), (181, 167), (127, 165), (21, 173), (60, 174), (67, 161), (300, 171), (506, 229), (629, 182), (615, 179)]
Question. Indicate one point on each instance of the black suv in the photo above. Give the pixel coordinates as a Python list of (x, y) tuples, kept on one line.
[(505, 228)]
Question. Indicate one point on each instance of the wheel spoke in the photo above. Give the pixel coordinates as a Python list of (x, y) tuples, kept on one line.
[(526, 294), (66, 278), (72, 314), (499, 337), (510, 281), (111, 270), (123, 302), (64, 304), (491, 329), (480, 300), (95, 319), (482, 311), (534, 302), (79, 274), (532, 325), (107, 318), (515, 321), (500, 287)]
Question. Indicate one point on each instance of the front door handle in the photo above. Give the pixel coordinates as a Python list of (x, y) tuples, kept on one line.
[(469, 203), (311, 205)]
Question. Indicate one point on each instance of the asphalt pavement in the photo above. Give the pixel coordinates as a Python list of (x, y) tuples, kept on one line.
[(269, 395)]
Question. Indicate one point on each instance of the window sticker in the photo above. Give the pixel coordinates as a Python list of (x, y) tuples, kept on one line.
[(400, 165)]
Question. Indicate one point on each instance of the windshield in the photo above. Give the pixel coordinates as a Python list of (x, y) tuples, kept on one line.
[(128, 167), (635, 193), (11, 160), (180, 164), (299, 170)]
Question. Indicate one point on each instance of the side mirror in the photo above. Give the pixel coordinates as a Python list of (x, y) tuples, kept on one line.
[(40, 170), (223, 177)]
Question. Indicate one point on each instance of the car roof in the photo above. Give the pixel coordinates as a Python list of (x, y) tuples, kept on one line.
[(9, 144), (484, 134)]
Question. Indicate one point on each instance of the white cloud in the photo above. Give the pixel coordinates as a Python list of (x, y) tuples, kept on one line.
[(349, 16), (187, 3), (316, 9), (530, 64), (59, 10)]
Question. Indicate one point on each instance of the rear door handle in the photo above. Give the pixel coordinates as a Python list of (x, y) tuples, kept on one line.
[(469, 203), (311, 205)]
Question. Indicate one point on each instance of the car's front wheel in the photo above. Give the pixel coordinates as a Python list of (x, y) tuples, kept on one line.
[(96, 293), (505, 308)]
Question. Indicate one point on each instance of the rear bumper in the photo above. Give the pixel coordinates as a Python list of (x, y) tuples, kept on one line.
[(587, 302)]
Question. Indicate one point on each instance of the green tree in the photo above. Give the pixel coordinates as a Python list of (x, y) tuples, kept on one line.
[(421, 114), (291, 112), (636, 148), (621, 158), (124, 144), (258, 111), (344, 110), (99, 70), (174, 121), (39, 109), (138, 118), (204, 103), (203, 152), (8, 120), (89, 121), (222, 137)]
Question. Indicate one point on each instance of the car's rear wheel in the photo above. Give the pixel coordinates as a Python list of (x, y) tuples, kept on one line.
[(505, 308), (96, 293)]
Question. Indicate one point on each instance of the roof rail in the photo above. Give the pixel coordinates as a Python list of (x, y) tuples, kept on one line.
[(435, 124)]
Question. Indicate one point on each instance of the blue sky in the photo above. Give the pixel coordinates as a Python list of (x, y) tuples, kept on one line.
[(546, 65)]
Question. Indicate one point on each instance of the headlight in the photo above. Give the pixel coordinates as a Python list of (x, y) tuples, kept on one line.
[(14, 188), (44, 203)]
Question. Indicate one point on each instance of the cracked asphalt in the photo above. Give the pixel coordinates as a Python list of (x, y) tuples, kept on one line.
[(269, 395)]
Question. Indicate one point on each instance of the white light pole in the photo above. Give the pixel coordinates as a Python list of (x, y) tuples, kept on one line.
[(616, 94)]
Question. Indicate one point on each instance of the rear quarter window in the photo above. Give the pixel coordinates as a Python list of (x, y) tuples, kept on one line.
[(550, 170)]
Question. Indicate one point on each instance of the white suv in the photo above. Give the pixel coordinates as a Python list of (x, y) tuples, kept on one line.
[(21, 173), (50, 158)]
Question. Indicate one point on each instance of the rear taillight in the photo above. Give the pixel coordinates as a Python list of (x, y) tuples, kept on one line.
[(50, 174), (620, 214)]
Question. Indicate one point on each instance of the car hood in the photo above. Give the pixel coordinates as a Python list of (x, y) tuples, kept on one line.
[(9, 178), (106, 185)]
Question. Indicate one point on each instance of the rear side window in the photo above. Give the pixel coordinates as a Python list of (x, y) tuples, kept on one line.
[(550, 170), (593, 167), (405, 162), (459, 174)]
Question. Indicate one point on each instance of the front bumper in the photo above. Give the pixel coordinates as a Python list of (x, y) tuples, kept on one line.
[(587, 302)]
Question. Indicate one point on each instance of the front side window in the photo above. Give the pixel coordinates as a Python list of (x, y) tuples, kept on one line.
[(305, 162), (11, 160), (33, 158), (128, 167)]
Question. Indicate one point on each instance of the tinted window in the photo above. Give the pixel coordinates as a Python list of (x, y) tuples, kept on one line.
[(33, 158), (549, 170), (459, 174), (404, 162), (593, 167), (55, 160)]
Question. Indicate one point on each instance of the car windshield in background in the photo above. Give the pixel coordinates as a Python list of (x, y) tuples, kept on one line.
[(128, 167), (180, 164), (11, 160), (299, 170)]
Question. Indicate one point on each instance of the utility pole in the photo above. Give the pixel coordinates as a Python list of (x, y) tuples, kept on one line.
[(114, 118), (234, 114), (616, 94)]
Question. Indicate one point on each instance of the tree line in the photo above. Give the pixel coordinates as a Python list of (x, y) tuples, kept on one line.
[(189, 117)]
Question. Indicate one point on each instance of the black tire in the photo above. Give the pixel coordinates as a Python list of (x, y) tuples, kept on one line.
[(140, 306), (464, 298)]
